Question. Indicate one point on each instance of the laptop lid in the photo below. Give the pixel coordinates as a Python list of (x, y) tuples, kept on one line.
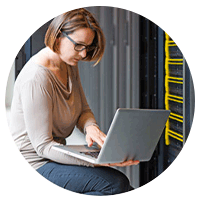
[(133, 134)]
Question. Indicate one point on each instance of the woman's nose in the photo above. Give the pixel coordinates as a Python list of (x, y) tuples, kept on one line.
[(83, 53)]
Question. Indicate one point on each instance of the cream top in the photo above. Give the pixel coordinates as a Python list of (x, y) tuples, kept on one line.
[(44, 112)]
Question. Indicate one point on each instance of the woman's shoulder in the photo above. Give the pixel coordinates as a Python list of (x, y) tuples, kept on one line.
[(34, 71), (41, 58), (34, 78)]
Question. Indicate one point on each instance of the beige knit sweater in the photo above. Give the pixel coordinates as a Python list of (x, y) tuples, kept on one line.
[(44, 112)]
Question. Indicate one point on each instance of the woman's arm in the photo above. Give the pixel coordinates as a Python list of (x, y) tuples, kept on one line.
[(37, 103)]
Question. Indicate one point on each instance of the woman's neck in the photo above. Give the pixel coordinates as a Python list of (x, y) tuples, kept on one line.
[(54, 59)]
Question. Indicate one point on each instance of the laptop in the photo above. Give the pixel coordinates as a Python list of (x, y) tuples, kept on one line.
[(133, 134)]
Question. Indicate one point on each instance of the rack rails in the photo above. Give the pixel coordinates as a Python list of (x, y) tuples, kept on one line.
[(173, 91)]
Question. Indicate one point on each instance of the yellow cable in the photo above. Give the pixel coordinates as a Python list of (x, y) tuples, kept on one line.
[(176, 115), (175, 59), (167, 141), (175, 137), (179, 120), (172, 45), (171, 63), (175, 78), (171, 41), (166, 45), (177, 134), (177, 97), (175, 100), (175, 82)]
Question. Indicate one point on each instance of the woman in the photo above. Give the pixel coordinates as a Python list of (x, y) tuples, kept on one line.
[(49, 102)]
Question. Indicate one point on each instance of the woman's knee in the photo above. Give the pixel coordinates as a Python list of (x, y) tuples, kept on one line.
[(121, 184), (109, 182), (118, 182)]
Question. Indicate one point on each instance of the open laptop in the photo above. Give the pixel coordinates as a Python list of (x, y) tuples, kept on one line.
[(133, 134)]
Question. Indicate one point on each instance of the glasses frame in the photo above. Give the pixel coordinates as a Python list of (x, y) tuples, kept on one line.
[(87, 47)]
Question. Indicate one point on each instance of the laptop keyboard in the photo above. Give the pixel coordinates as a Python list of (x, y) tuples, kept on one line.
[(93, 154)]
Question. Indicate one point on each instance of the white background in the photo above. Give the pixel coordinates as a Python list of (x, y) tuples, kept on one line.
[(19, 19)]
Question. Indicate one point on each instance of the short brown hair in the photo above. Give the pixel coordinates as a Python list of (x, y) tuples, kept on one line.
[(69, 22)]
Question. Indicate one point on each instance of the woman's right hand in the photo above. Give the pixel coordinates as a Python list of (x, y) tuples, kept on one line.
[(94, 134)]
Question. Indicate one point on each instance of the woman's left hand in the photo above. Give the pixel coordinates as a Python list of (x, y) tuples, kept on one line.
[(122, 164), (94, 134)]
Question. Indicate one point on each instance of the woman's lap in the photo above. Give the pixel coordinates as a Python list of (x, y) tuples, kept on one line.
[(86, 180)]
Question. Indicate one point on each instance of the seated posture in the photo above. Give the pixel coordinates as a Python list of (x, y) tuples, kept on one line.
[(49, 102)]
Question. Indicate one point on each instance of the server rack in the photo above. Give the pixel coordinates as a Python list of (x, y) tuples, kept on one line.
[(165, 83), (151, 82), (179, 98)]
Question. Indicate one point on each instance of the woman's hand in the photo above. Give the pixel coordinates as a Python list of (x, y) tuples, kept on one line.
[(93, 134), (122, 164)]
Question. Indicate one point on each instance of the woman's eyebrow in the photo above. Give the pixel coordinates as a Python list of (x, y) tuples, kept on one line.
[(83, 43)]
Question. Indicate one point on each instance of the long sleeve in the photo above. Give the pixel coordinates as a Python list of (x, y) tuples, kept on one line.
[(86, 117), (37, 103)]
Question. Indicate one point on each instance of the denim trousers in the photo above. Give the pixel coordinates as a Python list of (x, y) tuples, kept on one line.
[(86, 180)]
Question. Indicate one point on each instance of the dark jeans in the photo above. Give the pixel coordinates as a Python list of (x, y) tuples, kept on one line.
[(86, 180)]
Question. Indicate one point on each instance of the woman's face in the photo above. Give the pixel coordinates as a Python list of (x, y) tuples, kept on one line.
[(67, 53)]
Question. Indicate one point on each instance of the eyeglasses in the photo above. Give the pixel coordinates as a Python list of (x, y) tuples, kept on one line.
[(80, 47)]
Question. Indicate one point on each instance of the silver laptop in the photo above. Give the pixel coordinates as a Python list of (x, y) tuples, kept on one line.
[(133, 134)]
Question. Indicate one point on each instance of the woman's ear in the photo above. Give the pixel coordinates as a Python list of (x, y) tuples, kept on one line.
[(57, 44), (58, 38)]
